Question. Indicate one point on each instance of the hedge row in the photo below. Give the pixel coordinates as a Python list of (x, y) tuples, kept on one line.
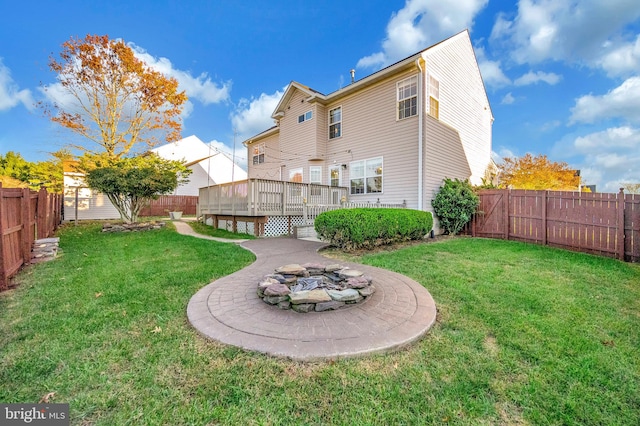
[(351, 229)]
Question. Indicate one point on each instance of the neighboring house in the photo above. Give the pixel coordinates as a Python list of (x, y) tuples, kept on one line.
[(82, 203), (209, 167), (391, 137)]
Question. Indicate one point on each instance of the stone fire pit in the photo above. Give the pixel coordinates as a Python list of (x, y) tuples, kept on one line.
[(314, 287)]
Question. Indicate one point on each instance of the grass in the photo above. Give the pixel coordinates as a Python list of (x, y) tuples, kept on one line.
[(525, 335), (201, 228)]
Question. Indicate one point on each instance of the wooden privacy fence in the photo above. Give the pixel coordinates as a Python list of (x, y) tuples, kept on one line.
[(598, 223), (187, 204), (24, 217)]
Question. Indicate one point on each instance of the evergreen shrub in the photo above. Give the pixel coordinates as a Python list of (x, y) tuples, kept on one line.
[(351, 229), (455, 204)]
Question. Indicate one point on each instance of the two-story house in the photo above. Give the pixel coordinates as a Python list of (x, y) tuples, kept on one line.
[(391, 137)]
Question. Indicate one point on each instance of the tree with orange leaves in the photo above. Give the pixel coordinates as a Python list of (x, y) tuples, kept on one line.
[(116, 100), (529, 172)]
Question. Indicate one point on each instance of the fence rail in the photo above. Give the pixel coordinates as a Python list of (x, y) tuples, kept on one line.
[(187, 204), (24, 217), (598, 223)]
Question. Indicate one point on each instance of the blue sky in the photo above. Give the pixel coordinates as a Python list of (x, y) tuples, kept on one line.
[(563, 77)]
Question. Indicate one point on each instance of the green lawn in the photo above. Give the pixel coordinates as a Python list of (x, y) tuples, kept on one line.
[(201, 228), (525, 335)]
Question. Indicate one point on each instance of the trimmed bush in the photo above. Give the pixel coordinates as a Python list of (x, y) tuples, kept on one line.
[(351, 229), (455, 204)]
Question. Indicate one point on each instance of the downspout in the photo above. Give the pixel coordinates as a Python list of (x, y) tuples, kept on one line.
[(420, 118)]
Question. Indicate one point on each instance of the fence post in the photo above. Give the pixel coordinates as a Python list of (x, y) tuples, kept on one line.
[(3, 277), (26, 240), (620, 228), (544, 218), (505, 207), (42, 212)]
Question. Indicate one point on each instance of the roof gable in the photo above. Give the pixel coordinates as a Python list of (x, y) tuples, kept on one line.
[(189, 149), (288, 94)]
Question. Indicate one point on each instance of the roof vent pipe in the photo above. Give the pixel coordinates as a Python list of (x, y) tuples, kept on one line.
[(353, 75)]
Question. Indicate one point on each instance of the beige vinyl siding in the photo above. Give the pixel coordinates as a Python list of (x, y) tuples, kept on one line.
[(370, 129), (270, 169), (322, 132), (298, 140), (463, 102), (444, 158)]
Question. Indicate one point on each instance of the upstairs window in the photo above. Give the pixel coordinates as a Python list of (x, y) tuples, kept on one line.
[(407, 97), (258, 154), (305, 117), (366, 176), (434, 97), (335, 123)]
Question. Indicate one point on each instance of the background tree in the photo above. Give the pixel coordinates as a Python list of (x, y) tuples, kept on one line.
[(631, 188), (529, 172), (118, 102), (123, 107), (18, 172), (130, 183)]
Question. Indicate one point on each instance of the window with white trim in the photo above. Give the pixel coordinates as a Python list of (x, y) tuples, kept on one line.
[(315, 174), (407, 92), (305, 117), (258, 153), (295, 175), (315, 177), (434, 97), (335, 175), (335, 123), (366, 176)]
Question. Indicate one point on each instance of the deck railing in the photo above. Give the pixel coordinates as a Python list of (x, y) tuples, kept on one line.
[(262, 197)]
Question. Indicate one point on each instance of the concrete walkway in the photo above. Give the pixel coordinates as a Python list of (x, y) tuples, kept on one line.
[(228, 310)]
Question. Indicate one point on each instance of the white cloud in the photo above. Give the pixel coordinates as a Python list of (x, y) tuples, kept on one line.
[(624, 137), (10, 93), (254, 116), (200, 87), (491, 71), (535, 77), (564, 30), (501, 154), (621, 102), (621, 60), (609, 157), (508, 99), (550, 125), (420, 24)]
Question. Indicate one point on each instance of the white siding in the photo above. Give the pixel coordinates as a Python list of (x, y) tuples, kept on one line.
[(91, 204), (444, 158), (197, 179)]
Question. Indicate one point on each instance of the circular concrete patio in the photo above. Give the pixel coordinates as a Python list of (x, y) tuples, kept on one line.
[(228, 310)]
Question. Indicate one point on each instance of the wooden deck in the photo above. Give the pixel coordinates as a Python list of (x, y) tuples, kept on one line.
[(261, 197)]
